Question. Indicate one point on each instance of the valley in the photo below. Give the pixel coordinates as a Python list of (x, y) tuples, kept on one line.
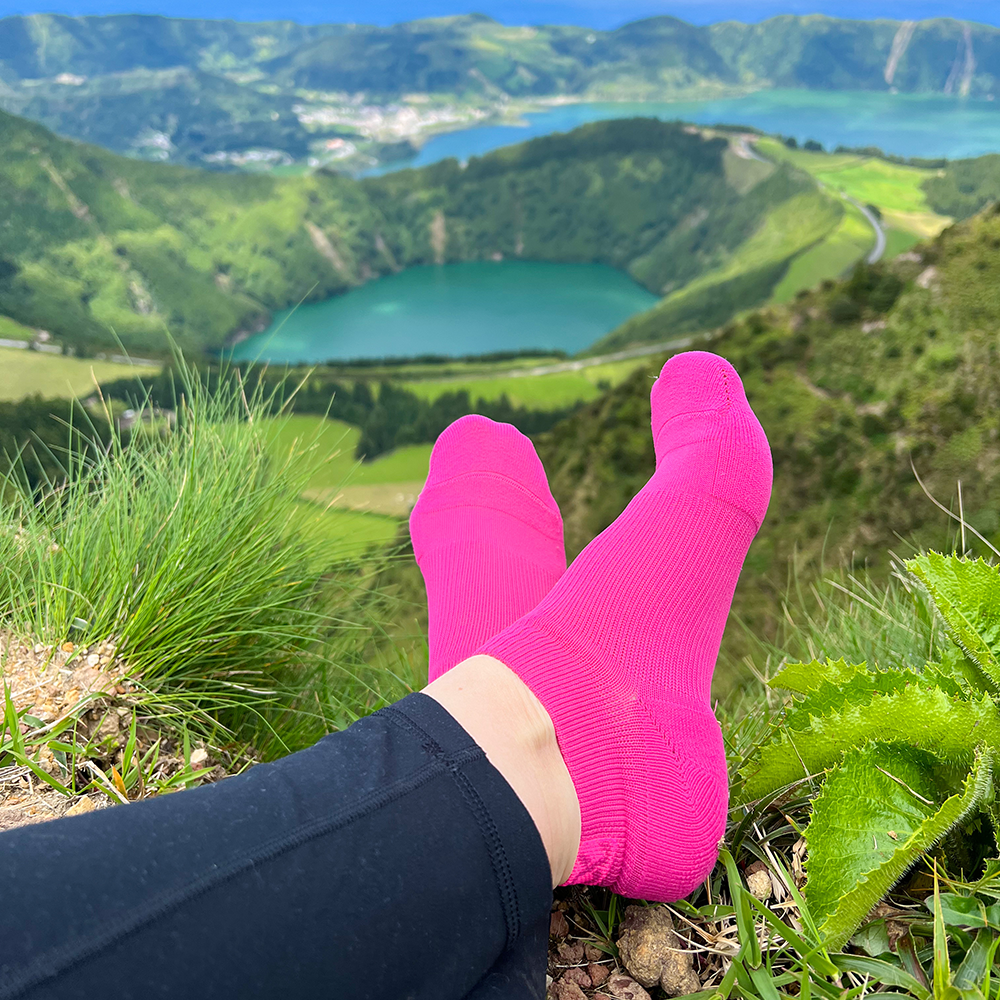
[(724, 230)]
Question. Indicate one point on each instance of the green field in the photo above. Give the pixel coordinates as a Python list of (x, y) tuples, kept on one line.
[(25, 373), (351, 502), (335, 441), (348, 533), (896, 190), (829, 258), (12, 330), (545, 391)]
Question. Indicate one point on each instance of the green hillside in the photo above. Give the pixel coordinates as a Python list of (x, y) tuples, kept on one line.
[(852, 383), (193, 91), (100, 249)]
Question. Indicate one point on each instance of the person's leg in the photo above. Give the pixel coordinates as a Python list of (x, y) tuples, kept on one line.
[(487, 535), (390, 860), (519, 740), (488, 538)]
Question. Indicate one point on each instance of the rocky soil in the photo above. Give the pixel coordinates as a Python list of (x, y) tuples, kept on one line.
[(656, 952), (93, 693)]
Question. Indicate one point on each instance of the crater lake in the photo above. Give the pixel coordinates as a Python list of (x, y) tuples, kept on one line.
[(455, 309)]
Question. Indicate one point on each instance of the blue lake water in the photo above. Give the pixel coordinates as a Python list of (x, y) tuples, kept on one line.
[(925, 125), (456, 309)]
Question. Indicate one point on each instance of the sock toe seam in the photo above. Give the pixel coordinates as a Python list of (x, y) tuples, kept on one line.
[(493, 474)]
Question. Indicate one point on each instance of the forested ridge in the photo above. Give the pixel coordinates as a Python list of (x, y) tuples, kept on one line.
[(99, 249)]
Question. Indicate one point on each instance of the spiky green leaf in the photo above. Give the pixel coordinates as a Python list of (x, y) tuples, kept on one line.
[(857, 690), (805, 677), (921, 715), (966, 593), (878, 791)]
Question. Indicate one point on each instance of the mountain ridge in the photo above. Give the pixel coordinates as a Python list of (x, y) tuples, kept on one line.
[(291, 88)]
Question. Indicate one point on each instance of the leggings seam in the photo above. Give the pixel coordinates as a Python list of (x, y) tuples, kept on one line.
[(488, 828), (56, 962)]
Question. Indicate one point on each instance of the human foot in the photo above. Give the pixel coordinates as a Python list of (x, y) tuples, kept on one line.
[(621, 652), (487, 535)]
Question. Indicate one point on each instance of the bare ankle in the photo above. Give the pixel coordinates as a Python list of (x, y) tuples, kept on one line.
[(498, 710)]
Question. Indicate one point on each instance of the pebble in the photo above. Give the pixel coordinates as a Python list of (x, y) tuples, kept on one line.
[(759, 883), (570, 953), (651, 951), (598, 974), (576, 975), (626, 988), (562, 990), (85, 805)]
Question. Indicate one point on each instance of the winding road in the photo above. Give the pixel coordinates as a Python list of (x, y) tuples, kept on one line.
[(877, 252)]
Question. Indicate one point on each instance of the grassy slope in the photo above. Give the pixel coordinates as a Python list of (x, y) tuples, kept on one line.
[(897, 190), (844, 409), (27, 373), (831, 257), (795, 250)]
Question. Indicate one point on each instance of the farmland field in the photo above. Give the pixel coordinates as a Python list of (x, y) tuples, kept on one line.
[(24, 373)]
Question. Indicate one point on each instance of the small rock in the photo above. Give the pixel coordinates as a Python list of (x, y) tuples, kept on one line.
[(759, 883), (198, 756), (598, 973), (570, 952), (67, 647), (558, 924), (109, 727), (652, 952), (626, 988), (39, 648), (592, 953), (85, 805), (93, 660), (566, 991), (576, 975)]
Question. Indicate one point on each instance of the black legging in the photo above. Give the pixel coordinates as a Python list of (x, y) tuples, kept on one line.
[(389, 861)]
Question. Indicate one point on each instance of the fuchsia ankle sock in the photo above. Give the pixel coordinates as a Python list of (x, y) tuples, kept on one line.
[(487, 535), (621, 651)]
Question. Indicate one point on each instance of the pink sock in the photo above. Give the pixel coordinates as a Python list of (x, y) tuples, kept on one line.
[(487, 535), (621, 651)]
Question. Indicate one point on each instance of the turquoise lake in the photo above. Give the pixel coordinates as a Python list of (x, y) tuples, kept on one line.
[(456, 309), (926, 125)]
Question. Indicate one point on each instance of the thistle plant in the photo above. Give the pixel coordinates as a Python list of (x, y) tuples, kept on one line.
[(899, 757)]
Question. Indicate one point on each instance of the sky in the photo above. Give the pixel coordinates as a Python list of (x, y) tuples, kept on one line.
[(592, 13)]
